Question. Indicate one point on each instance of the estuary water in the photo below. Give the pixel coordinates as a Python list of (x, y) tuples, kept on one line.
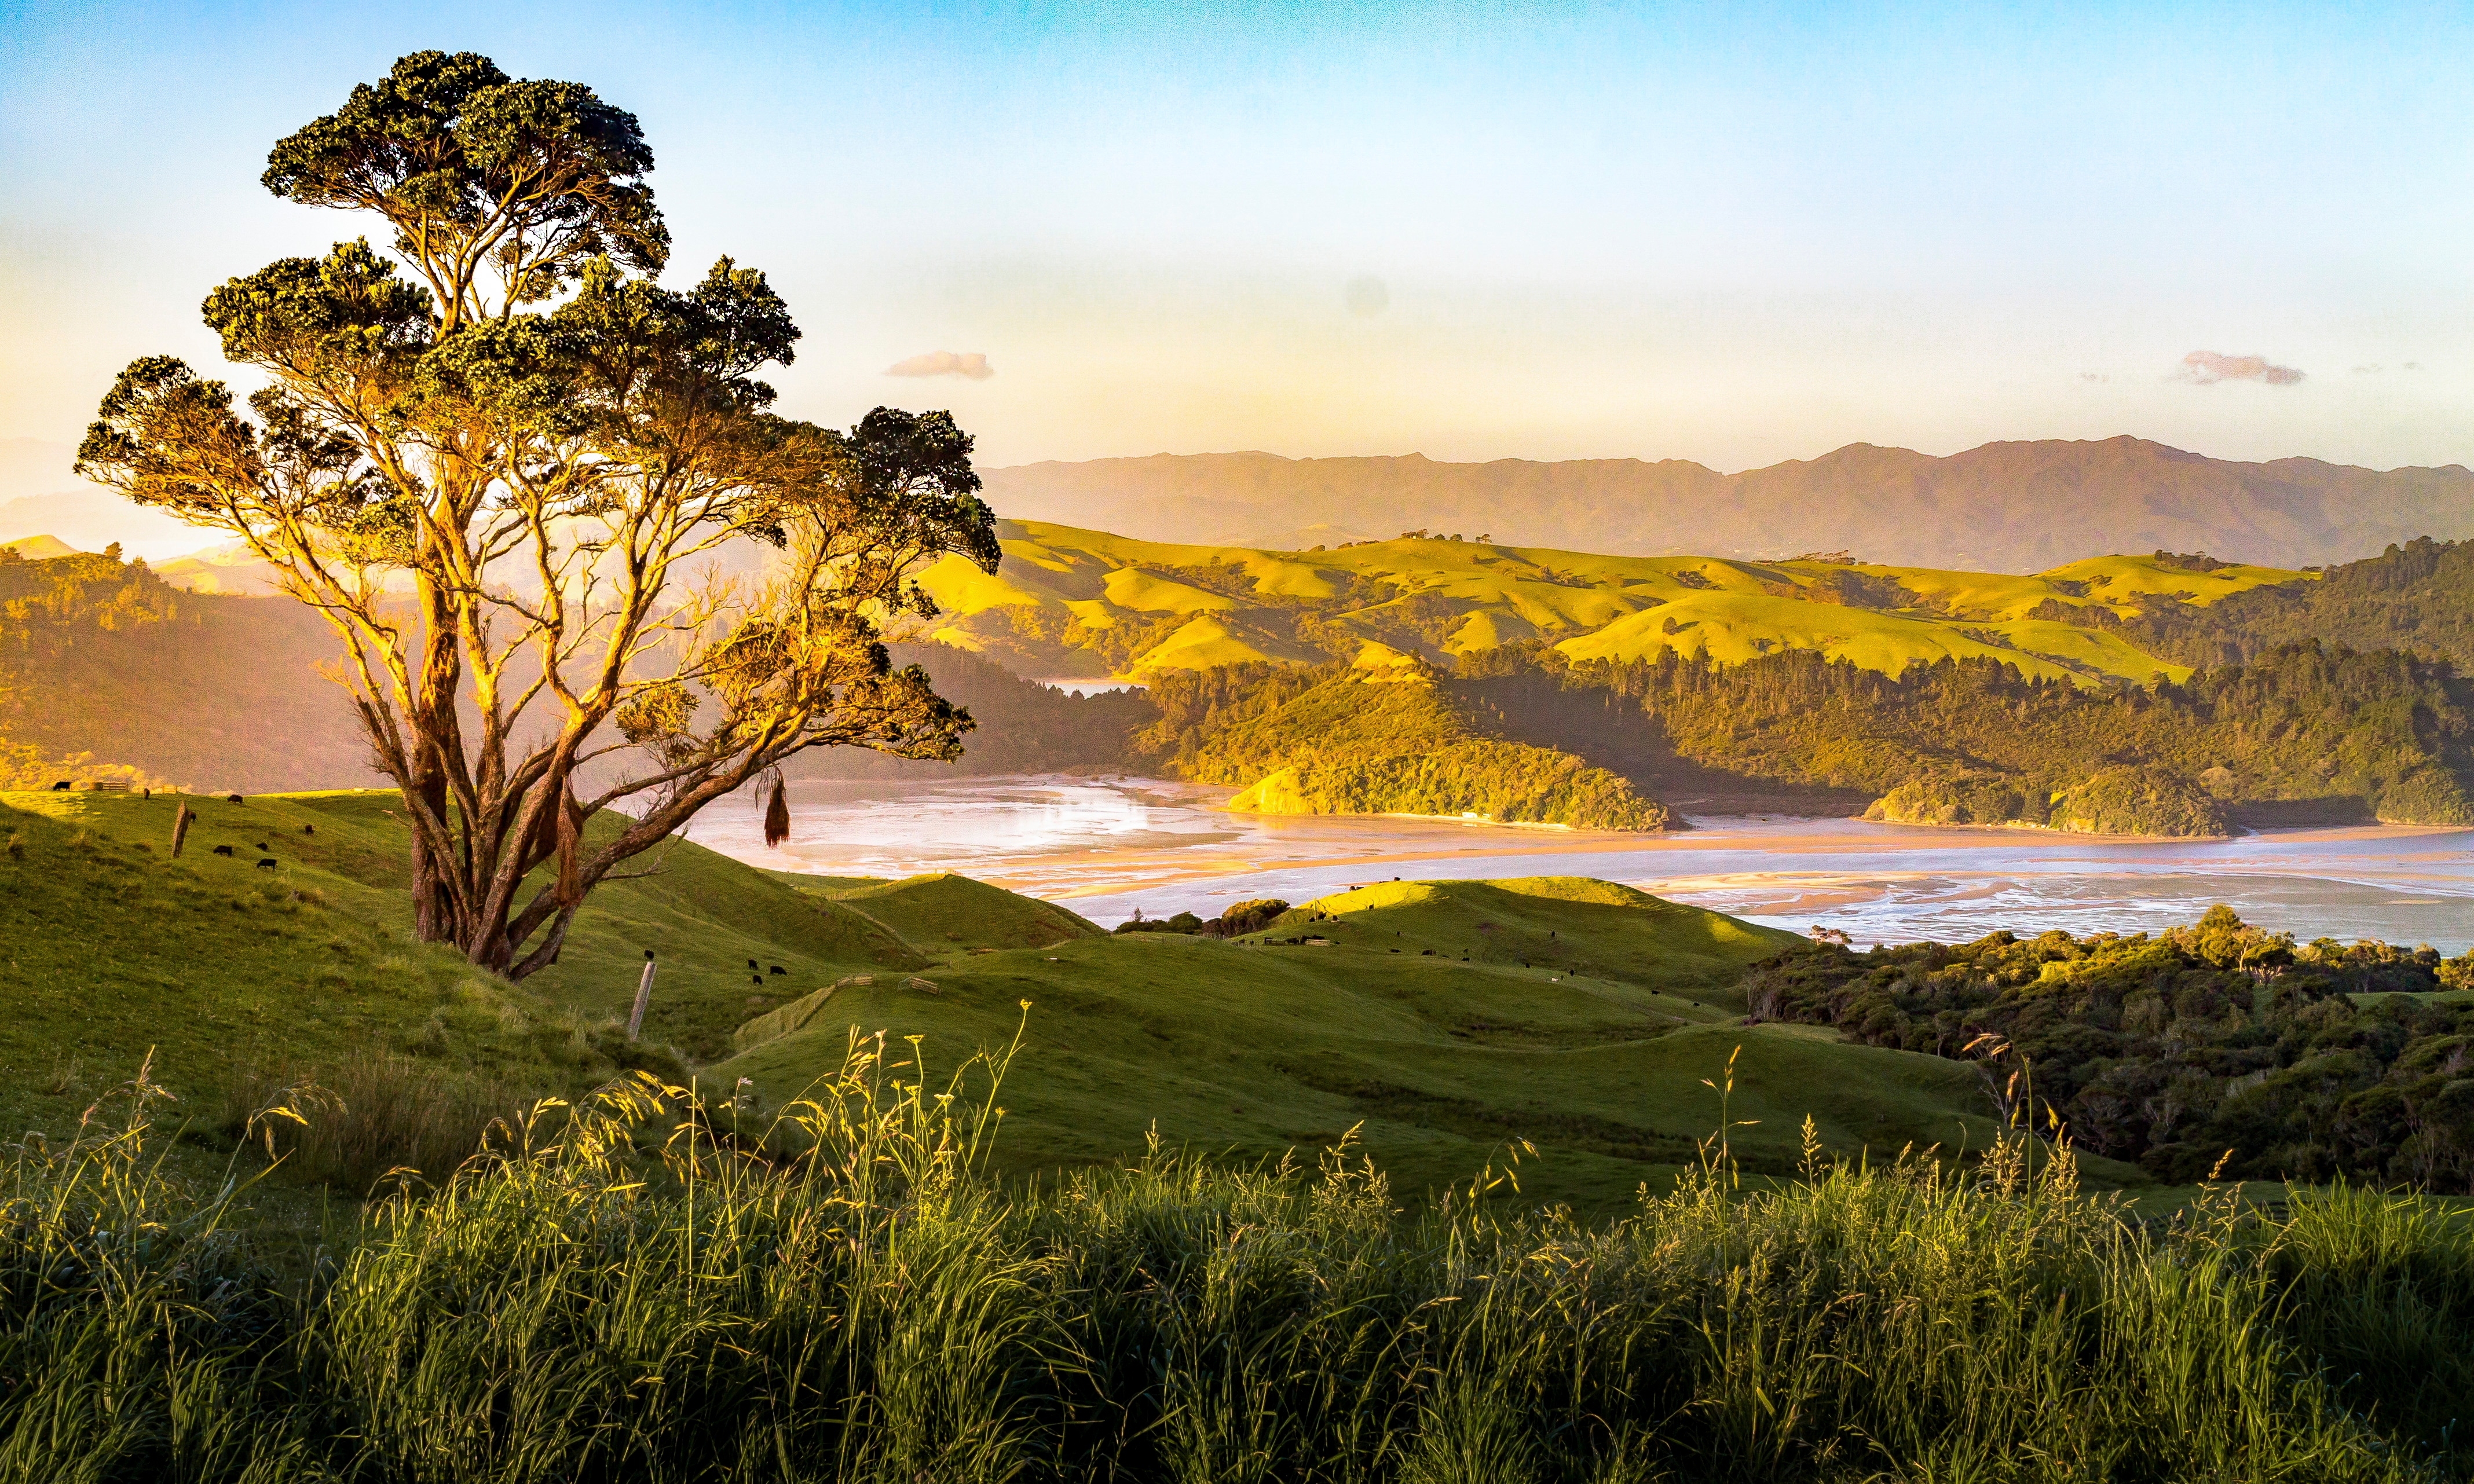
[(1106, 847)]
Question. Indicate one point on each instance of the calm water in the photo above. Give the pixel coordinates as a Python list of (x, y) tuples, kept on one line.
[(1106, 847)]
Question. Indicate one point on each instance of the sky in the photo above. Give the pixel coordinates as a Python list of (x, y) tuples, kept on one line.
[(1730, 235)]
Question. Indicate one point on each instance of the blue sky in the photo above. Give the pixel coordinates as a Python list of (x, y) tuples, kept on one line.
[(1735, 236)]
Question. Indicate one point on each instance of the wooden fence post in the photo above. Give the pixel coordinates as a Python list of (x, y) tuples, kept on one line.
[(643, 997), (180, 829)]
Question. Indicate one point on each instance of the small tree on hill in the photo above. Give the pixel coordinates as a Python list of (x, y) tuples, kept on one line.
[(500, 484)]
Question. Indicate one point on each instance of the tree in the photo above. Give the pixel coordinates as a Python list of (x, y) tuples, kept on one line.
[(514, 486)]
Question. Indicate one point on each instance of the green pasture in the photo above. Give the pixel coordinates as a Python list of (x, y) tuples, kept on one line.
[(1061, 590), (1444, 1021)]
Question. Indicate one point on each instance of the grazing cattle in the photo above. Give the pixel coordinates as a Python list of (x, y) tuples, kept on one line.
[(262, 845), (62, 787), (779, 969), (266, 865), (223, 850), (756, 979), (751, 964), (231, 798), (308, 829)]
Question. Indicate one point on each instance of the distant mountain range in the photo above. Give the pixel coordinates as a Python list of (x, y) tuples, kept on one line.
[(2005, 506), (2014, 507)]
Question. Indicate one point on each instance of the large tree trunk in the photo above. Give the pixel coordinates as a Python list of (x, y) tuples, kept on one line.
[(435, 916)]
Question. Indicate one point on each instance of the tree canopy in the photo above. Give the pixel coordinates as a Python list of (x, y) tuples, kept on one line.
[(576, 560)]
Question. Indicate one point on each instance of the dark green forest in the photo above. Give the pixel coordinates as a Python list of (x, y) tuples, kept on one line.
[(2417, 597), (2305, 734), (2218, 1042), (1397, 740)]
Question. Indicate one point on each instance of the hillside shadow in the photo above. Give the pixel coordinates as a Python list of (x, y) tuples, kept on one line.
[(1606, 731)]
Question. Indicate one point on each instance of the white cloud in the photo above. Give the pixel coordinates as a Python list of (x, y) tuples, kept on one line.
[(2207, 368), (944, 363)]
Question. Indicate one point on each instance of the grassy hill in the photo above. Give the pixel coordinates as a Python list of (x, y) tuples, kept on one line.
[(1448, 1018), (1442, 1019), (1079, 602)]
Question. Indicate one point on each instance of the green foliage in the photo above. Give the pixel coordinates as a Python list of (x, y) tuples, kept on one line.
[(1394, 742), (1238, 921), (2417, 597), (2118, 800), (631, 1291), (2138, 800), (2382, 735), (2206, 1045), (423, 416), (1182, 923)]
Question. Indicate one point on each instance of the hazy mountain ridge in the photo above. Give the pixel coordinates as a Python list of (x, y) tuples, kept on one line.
[(2003, 506)]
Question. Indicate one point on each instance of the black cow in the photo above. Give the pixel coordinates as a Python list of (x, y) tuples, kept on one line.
[(779, 969), (223, 850), (308, 829), (231, 798), (266, 865), (62, 787)]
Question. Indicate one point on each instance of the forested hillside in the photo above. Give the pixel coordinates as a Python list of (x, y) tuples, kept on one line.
[(1386, 740), (2417, 597), (1023, 726), (106, 670), (2304, 734)]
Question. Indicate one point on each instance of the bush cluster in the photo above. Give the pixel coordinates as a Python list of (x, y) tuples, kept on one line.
[(2212, 1046)]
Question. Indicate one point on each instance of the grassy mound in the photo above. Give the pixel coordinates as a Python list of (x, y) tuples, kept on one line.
[(941, 909), (217, 966), (1573, 925), (1360, 1012)]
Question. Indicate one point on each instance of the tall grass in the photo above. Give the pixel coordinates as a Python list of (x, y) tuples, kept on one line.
[(652, 1285), (371, 1120)]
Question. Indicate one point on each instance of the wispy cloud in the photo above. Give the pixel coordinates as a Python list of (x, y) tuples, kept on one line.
[(2207, 368), (944, 363)]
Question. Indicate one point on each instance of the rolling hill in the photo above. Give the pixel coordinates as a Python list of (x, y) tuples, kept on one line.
[(1448, 1018), (2005, 506), (1069, 601)]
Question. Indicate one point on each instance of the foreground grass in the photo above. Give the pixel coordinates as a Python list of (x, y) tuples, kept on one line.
[(628, 1290)]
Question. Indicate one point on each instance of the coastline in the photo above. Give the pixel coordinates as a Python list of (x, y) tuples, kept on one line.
[(1106, 847)]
